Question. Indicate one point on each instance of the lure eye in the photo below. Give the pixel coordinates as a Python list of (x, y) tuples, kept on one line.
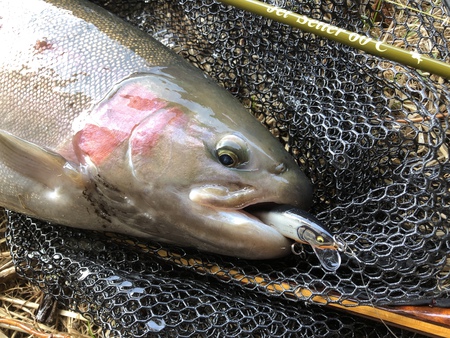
[(232, 151), (312, 237)]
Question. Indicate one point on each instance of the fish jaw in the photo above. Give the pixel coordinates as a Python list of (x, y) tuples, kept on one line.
[(232, 228), (239, 234)]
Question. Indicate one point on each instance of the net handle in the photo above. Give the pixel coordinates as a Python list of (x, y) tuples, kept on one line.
[(352, 39)]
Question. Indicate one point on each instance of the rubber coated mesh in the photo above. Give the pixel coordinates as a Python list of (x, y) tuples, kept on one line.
[(371, 135)]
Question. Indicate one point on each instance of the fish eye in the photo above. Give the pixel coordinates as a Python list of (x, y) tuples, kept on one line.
[(232, 151), (320, 239), (228, 159)]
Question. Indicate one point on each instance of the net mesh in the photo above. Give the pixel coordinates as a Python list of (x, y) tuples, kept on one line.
[(370, 133)]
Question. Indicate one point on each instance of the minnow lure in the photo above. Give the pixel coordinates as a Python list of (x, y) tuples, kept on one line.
[(304, 228)]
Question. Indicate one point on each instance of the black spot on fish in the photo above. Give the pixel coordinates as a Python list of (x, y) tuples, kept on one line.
[(98, 208), (108, 201)]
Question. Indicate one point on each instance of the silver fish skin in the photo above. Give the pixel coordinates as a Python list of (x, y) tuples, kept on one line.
[(104, 128)]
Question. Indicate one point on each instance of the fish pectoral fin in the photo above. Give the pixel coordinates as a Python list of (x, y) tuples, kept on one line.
[(41, 165), (221, 196)]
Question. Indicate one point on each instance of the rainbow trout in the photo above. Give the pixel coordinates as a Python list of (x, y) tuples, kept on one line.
[(104, 128)]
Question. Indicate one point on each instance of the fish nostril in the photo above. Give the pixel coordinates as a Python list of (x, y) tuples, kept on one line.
[(280, 168)]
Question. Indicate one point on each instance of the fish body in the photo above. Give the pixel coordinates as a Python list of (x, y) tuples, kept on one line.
[(104, 128)]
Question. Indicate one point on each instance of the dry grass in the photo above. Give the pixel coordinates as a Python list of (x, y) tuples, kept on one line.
[(19, 301)]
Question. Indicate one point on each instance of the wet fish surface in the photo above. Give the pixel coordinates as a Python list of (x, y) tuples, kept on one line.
[(104, 128)]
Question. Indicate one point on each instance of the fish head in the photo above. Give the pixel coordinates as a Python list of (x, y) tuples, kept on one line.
[(188, 159)]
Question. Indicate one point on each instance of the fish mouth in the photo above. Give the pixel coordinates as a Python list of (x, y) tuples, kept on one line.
[(252, 209), (230, 224), (237, 202), (240, 233)]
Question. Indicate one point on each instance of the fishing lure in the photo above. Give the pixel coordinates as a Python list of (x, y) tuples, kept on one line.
[(304, 228)]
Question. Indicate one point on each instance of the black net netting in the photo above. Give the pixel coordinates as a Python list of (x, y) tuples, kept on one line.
[(371, 135)]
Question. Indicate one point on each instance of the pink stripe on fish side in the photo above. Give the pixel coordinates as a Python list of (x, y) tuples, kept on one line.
[(133, 109), (98, 142), (142, 103), (146, 136), (127, 108)]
